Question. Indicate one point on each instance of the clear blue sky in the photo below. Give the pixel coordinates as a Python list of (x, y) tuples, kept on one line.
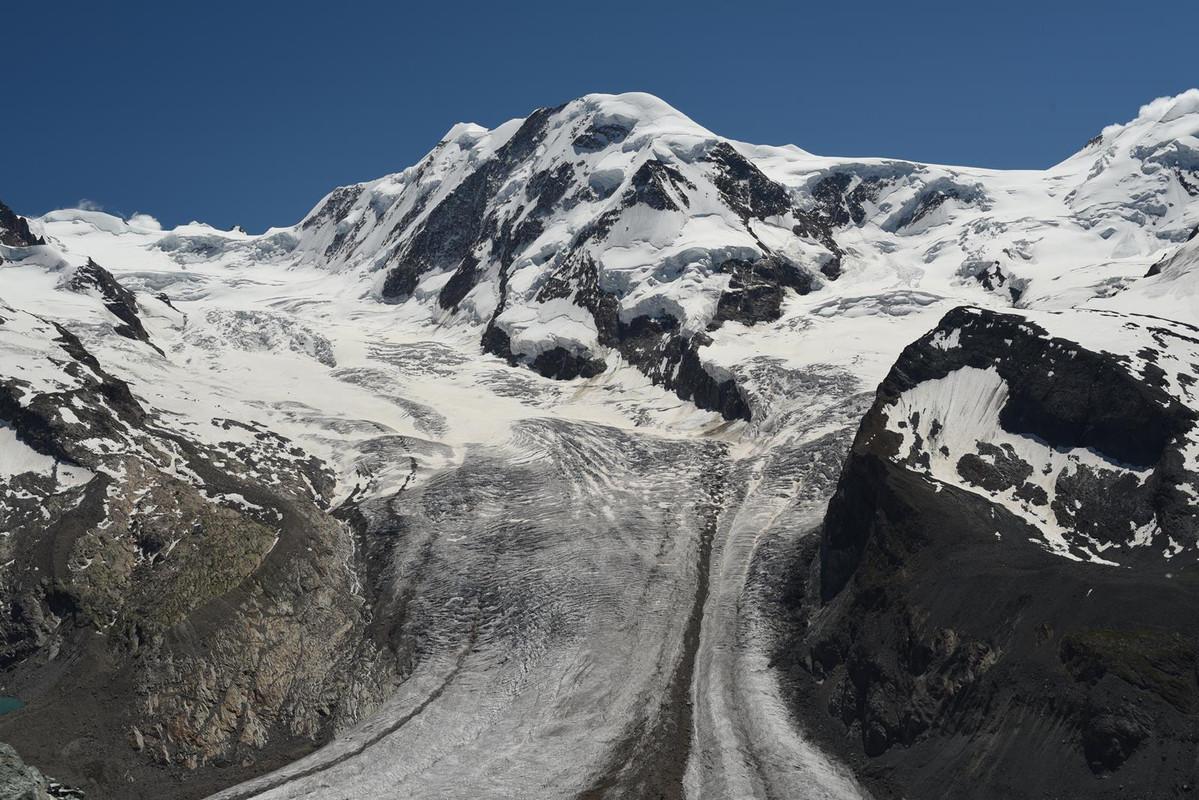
[(249, 112)]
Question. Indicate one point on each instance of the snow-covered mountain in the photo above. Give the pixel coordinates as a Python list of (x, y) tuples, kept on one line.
[(500, 475), (614, 229)]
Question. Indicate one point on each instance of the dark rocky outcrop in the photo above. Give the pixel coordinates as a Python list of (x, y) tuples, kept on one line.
[(335, 208), (670, 359), (655, 346), (994, 279), (460, 222), (19, 781), (657, 185), (103, 403), (835, 205), (932, 196), (1161, 263), (121, 302), (168, 642), (14, 230), (744, 187), (564, 365), (600, 135), (941, 649), (578, 279), (757, 288)]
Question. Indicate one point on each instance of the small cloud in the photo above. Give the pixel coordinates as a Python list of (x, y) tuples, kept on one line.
[(140, 220), (89, 205)]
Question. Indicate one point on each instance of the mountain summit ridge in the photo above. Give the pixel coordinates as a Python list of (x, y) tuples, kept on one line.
[(611, 200)]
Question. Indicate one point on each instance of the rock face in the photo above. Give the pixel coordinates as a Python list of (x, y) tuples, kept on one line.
[(14, 230), (193, 595), (121, 302), (19, 781), (1003, 600)]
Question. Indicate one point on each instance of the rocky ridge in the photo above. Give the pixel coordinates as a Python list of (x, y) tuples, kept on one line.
[(942, 635)]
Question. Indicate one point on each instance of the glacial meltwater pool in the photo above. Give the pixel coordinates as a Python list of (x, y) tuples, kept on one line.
[(8, 704)]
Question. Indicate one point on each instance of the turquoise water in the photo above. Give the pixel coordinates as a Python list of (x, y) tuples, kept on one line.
[(9, 704)]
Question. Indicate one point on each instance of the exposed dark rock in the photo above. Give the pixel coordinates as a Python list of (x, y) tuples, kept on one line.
[(578, 279), (943, 651), (18, 781), (497, 342), (929, 202), (447, 236), (121, 302), (557, 362), (562, 364), (14, 230), (657, 185), (930, 199), (656, 347), (1156, 269), (106, 405), (757, 289), (744, 187), (835, 205), (830, 196), (545, 190), (460, 223), (993, 279), (998, 469), (336, 207), (597, 137), (460, 283)]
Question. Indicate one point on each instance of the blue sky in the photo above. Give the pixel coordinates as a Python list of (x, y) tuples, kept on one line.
[(248, 113)]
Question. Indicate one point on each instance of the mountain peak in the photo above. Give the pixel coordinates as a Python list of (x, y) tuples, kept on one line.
[(465, 132), (1164, 119), (648, 114), (640, 107), (1164, 110)]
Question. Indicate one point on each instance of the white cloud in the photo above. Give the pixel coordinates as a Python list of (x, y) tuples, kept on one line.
[(140, 220), (89, 205)]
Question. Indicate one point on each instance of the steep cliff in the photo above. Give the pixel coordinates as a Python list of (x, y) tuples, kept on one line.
[(1004, 599)]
